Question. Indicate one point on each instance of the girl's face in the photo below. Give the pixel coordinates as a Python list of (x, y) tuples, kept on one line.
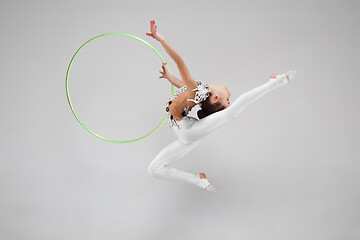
[(220, 93)]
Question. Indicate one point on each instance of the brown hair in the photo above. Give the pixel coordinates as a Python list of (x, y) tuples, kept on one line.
[(208, 108)]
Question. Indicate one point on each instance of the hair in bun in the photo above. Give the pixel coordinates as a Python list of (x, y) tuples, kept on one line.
[(208, 108)]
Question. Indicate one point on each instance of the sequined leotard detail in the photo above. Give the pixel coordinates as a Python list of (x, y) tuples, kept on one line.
[(202, 92)]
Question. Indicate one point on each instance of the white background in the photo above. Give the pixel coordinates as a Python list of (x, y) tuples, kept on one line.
[(286, 168)]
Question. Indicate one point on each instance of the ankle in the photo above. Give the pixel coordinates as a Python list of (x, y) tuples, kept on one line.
[(280, 80)]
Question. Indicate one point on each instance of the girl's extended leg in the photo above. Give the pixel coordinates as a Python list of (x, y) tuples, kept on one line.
[(208, 124), (171, 153)]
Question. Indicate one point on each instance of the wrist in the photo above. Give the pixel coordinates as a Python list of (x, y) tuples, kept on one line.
[(169, 77), (160, 38)]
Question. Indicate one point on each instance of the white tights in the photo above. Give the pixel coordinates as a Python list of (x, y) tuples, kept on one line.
[(192, 130)]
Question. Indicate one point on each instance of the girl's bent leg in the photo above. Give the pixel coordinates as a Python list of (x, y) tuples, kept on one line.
[(171, 153), (208, 124)]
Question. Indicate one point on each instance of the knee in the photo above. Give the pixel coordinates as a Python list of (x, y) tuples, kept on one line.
[(153, 170)]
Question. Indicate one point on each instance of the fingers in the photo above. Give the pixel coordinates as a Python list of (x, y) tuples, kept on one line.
[(164, 70), (153, 26), (164, 67), (163, 75), (152, 22)]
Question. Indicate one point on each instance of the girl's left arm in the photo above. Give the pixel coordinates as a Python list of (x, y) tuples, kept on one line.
[(186, 76)]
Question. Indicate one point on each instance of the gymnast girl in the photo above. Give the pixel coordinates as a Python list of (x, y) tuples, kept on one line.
[(215, 112)]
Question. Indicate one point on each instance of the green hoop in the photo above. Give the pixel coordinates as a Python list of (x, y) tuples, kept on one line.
[(68, 95)]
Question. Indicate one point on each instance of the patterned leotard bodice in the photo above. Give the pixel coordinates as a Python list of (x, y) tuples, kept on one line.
[(202, 92)]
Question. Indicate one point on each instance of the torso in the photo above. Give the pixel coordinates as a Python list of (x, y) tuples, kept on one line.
[(183, 100), (178, 104)]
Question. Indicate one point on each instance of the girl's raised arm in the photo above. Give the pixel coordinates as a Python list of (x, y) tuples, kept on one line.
[(186, 76)]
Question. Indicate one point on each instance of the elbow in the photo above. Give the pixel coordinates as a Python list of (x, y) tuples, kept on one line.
[(179, 61)]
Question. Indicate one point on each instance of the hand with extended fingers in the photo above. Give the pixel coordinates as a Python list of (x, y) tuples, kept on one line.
[(165, 73), (156, 35)]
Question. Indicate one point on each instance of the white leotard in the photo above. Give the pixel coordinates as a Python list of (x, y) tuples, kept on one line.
[(191, 130)]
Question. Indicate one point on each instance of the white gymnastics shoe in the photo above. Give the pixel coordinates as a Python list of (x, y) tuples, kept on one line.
[(283, 79), (204, 183), (211, 188), (290, 75)]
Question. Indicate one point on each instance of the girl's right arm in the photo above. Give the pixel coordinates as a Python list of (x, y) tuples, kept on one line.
[(174, 80), (186, 76)]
